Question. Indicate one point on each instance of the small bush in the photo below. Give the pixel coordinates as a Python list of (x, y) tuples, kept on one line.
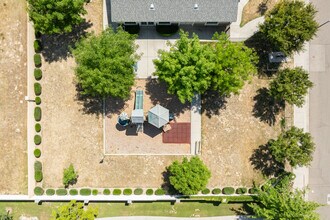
[(37, 113), (73, 192), (138, 191), (61, 192), (37, 139), (50, 192), (159, 192), (95, 192), (241, 190), (38, 191), (37, 46), (37, 100), (106, 192), (37, 153), (150, 192), (216, 191), (85, 192), (116, 192), (228, 190), (38, 171), (37, 60), (37, 89), (205, 191), (70, 176), (37, 74), (127, 192), (253, 190), (37, 127)]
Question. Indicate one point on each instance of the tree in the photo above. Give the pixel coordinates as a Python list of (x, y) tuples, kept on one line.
[(289, 24), (74, 210), (188, 177), (186, 68), (105, 64), (56, 16), (293, 146), (291, 85), (274, 204), (70, 176)]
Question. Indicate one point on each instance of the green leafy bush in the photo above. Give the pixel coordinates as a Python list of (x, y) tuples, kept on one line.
[(37, 74), (37, 89), (37, 113), (37, 139), (85, 192), (205, 191), (228, 190), (37, 100), (253, 190), (38, 191), (106, 192), (216, 191), (127, 192), (37, 46), (50, 192), (241, 190), (37, 127), (37, 60), (138, 191), (61, 192), (95, 192), (159, 192), (38, 171), (37, 153), (70, 176), (73, 192), (150, 192), (116, 192)]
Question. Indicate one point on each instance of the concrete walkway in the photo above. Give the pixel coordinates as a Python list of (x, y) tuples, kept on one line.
[(196, 125)]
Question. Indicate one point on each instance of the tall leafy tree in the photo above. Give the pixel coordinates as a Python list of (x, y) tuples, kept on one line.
[(56, 16), (291, 85), (189, 177), (186, 67), (289, 25), (74, 210), (105, 64), (294, 146)]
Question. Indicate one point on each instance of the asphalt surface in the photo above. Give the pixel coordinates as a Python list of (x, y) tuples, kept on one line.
[(319, 173)]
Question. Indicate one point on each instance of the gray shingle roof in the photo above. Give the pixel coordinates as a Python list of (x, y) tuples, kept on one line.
[(174, 11)]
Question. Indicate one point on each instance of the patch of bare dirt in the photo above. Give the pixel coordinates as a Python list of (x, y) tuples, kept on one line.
[(13, 165)]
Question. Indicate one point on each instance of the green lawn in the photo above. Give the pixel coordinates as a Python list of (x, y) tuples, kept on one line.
[(183, 209)]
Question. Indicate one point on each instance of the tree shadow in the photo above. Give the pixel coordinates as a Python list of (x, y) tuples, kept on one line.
[(212, 103), (167, 185), (57, 47), (263, 161), (157, 92), (266, 108)]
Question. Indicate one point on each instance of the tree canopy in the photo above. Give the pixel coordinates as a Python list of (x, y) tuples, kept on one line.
[(105, 64), (74, 210), (191, 67), (189, 177), (291, 85), (56, 16), (289, 25), (294, 146)]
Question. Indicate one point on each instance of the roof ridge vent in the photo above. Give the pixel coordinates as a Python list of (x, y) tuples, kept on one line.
[(152, 6), (195, 6)]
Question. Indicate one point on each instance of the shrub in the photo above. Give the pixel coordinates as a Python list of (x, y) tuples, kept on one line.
[(38, 191), (228, 190), (61, 192), (50, 192), (37, 153), (106, 192), (37, 127), (116, 192), (37, 60), (205, 191), (70, 176), (150, 192), (37, 89), (85, 192), (159, 192), (37, 74), (37, 100), (216, 191), (37, 34), (253, 190), (138, 191), (37, 139), (95, 192), (38, 171), (37, 113), (73, 192), (37, 46), (241, 190), (127, 192)]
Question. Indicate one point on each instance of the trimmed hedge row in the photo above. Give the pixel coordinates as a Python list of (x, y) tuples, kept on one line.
[(85, 192), (106, 192), (138, 191), (38, 171), (150, 192), (127, 192), (38, 191), (73, 192), (50, 192), (116, 192), (37, 89), (229, 191), (37, 60), (159, 192), (37, 153), (37, 46), (37, 113), (37, 139), (95, 192), (37, 100), (37, 74), (37, 127), (61, 192)]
